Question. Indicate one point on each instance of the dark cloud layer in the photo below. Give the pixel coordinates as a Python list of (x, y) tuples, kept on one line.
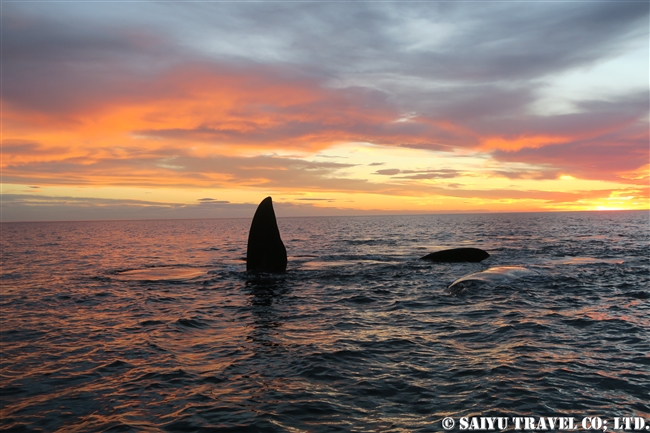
[(485, 47), (499, 41), (22, 207)]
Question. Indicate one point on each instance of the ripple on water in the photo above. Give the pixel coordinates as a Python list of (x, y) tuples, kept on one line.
[(166, 273), (358, 335)]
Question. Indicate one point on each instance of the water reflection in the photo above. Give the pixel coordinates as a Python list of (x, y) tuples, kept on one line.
[(361, 337), (264, 292)]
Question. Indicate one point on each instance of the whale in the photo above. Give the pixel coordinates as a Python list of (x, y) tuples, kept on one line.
[(499, 275), (457, 255), (266, 251)]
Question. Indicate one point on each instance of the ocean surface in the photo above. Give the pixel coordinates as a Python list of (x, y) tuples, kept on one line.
[(156, 326)]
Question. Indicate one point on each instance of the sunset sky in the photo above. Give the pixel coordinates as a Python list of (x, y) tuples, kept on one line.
[(202, 109)]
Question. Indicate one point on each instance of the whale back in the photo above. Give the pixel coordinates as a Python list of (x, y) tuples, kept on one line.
[(457, 255), (266, 251)]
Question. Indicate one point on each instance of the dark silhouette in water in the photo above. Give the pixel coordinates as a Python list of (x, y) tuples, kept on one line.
[(457, 255), (266, 252)]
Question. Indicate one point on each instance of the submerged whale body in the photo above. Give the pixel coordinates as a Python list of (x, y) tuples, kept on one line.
[(495, 276), (457, 255), (266, 252)]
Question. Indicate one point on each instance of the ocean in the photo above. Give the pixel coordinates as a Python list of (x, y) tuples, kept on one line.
[(156, 326)]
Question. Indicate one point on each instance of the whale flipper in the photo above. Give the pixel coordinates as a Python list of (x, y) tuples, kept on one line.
[(266, 252), (457, 255)]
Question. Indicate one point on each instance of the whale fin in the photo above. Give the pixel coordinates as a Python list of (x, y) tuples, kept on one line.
[(266, 252), (457, 255)]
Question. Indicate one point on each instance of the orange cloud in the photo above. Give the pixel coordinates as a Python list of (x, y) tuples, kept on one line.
[(198, 124), (533, 141)]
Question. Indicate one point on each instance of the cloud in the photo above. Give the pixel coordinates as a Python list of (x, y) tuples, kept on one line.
[(18, 207), (605, 157), (388, 171), (270, 173), (17, 147), (183, 170), (420, 174), (593, 118), (431, 174), (22, 207), (464, 42), (528, 174), (199, 94), (212, 201), (316, 199)]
